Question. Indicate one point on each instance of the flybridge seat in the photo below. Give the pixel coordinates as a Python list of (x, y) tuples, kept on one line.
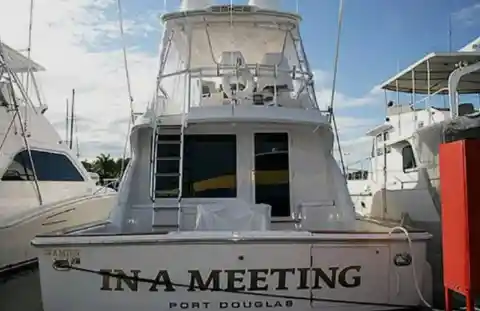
[(242, 79), (274, 79)]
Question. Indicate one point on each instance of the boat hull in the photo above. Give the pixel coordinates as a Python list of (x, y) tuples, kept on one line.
[(223, 271), (15, 239)]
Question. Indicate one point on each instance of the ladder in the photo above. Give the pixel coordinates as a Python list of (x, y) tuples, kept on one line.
[(168, 171)]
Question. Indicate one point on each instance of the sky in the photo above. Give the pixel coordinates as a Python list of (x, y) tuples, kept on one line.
[(79, 43)]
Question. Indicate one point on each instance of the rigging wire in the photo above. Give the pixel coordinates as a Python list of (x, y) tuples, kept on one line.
[(29, 51), (12, 78), (334, 83), (127, 76)]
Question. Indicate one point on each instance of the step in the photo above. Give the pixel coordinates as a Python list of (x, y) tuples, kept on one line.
[(167, 174), (169, 142), (169, 158), (169, 127), (167, 193)]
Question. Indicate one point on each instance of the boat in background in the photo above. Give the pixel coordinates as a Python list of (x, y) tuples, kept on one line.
[(232, 198), (44, 186), (402, 181)]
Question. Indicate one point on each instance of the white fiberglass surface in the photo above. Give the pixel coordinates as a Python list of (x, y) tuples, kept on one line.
[(263, 49)]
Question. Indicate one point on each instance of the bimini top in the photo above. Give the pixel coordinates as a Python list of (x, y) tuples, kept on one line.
[(227, 9), (17, 62), (441, 65)]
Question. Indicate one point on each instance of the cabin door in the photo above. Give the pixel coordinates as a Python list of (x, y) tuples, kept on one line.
[(271, 172)]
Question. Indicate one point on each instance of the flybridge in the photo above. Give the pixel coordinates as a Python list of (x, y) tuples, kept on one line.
[(209, 6)]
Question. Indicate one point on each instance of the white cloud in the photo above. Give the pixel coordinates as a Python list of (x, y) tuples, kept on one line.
[(468, 16), (355, 146), (351, 128), (71, 40), (323, 88), (79, 45)]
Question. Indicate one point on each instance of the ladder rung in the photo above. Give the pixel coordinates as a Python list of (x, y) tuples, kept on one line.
[(168, 158), (166, 226), (167, 174), (169, 142), (167, 192), (169, 127)]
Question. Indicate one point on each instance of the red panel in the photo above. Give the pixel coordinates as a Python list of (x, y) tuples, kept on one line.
[(460, 196)]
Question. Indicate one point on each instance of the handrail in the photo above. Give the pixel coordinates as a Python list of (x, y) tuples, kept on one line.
[(429, 96), (256, 68)]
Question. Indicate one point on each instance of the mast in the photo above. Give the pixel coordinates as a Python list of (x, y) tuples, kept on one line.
[(450, 32), (66, 121), (71, 118)]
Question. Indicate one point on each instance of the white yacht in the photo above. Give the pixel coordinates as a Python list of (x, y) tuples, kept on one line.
[(404, 154), (401, 181), (43, 186), (232, 199)]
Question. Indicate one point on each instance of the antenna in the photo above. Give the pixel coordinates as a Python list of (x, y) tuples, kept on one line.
[(72, 118), (450, 32), (66, 121)]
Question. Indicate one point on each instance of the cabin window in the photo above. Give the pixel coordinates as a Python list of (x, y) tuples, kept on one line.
[(209, 166), (408, 158), (358, 175), (48, 167), (272, 179)]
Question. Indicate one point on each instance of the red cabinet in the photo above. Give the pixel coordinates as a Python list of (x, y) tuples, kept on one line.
[(460, 196)]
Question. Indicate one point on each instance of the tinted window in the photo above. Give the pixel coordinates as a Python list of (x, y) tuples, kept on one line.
[(48, 167), (209, 167), (272, 172), (408, 158)]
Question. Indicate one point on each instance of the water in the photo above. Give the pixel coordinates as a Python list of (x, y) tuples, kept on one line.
[(21, 292)]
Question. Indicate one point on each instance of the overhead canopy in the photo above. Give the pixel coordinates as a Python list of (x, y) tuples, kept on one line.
[(17, 62), (464, 127), (441, 66)]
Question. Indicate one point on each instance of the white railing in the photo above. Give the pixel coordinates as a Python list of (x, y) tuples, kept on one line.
[(250, 73)]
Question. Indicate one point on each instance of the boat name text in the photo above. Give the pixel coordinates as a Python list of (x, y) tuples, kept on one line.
[(237, 279)]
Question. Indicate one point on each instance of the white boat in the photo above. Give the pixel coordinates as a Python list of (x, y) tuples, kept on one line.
[(44, 186), (232, 199), (404, 159), (402, 180)]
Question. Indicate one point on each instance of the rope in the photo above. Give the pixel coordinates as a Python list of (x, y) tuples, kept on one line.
[(127, 76), (415, 278)]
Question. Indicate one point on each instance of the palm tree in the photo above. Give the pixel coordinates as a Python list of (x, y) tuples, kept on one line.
[(105, 166)]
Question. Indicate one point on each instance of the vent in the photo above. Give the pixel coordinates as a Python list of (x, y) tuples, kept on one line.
[(231, 8)]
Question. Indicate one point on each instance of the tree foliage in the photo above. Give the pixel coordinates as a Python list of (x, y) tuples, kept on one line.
[(105, 166)]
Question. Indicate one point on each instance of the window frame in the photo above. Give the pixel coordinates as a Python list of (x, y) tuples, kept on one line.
[(412, 154), (187, 167), (81, 176), (290, 172)]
